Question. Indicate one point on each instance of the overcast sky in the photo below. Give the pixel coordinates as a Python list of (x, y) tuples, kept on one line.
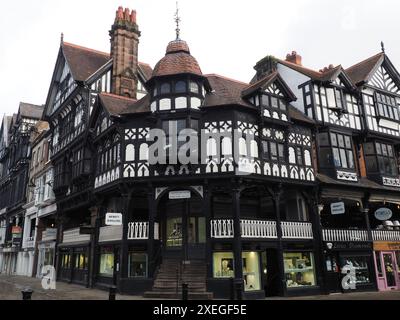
[(227, 37)]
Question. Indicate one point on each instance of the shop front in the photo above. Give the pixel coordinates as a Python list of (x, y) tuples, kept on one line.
[(74, 265), (46, 256), (387, 264), (344, 258)]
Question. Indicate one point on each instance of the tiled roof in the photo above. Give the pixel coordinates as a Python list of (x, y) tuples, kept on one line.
[(225, 92), (260, 83), (84, 62), (118, 105), (361, 71), (28, 110), (299, 116), (177, 60)]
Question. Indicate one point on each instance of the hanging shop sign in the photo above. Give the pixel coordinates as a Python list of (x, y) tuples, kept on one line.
[(114, 219), (180, 195), (338, 208), (383, 214), (16, 232)]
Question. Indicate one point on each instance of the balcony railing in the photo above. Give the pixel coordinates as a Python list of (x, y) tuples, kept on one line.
[(385, 235), (140, 231), (297, 230), (258, 229), (341, 235)]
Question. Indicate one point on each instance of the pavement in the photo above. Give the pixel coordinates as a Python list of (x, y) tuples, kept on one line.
[(11, 287)]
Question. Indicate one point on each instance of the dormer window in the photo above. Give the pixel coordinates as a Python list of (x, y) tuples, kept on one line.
[(273, 107), (334, 99)]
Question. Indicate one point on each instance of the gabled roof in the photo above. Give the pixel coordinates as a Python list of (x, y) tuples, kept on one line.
[(363, 71), (83, 62), (265, 82), (28, 110), (225, 92), (118, 105)]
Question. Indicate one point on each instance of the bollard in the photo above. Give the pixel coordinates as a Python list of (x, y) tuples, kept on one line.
[(239, 289), (112, 293), (185, 292), (27, 294), (232, 289)]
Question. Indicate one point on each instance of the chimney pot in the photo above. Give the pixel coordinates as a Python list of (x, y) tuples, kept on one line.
[(133, 16), (294, 57)]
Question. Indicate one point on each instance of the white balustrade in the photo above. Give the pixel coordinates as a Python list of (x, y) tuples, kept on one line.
[(297, 230), (257, 229), (222, 229), (385, 235), (341, 235), (138, 231)]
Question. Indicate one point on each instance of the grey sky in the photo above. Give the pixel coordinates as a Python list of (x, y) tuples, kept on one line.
[(226, 36)]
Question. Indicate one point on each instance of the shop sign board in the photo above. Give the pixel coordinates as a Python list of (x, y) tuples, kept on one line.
[(383, 214), (386, 246), (338, 208), (180, 195), (114, 219)]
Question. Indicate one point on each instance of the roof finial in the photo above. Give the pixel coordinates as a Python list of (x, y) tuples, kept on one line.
[(383, 46), (177, 20), (62, 38)]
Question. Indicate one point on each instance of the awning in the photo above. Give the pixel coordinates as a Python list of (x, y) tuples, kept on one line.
[(385, 198), (341, 194)]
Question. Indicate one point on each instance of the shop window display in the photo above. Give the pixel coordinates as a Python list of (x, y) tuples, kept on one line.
[(224, 268), (137, 265), (361, 267), (299, 269), (223, 265), (251, 271), (106, 263)]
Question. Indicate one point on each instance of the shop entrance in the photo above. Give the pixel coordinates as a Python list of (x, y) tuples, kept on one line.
[(271, 276), (184, 229), (387, 270)]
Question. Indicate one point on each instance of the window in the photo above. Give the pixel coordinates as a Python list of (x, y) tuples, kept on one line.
[(361, 266), (165, 88), (81, 262), (106, 262), (342, 150), (299, 269), (195, 103), (180, 87), (137, 265), (173, 128), (194, 87), (387, 106), (386, 159), (223, 265), (181, 103), (274, 151), (165, 104)]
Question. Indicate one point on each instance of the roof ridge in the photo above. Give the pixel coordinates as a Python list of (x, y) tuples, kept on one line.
[(226, 78), (299, 66), (86, 49), (363, 61)]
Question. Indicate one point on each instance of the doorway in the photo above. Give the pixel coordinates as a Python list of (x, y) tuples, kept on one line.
[(184, 229), (390, 270)]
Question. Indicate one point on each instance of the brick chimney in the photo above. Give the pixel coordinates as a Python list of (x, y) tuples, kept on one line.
[(124, 51), (294, 58)]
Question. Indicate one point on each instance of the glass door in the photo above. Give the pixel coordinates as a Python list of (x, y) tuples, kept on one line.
[(389, 267), (174, 233)]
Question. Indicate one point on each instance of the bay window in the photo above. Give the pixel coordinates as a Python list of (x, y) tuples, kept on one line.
[(387, 106), (342, 149), (380, 158)]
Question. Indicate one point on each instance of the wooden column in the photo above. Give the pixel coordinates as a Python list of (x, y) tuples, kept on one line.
[(319, 246), (95, 223), (277, 200), (207, 213), (152, 205), (237, 241), (127, 198)]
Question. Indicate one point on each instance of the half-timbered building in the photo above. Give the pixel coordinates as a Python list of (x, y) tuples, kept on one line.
[(15, 160)]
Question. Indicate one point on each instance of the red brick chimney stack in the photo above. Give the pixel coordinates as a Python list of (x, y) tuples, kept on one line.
[(294, 58), (124, 52)]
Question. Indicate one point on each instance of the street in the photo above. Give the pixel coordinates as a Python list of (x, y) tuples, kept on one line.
[(11, 287)]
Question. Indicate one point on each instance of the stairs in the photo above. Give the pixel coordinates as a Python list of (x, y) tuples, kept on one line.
[(173, 273)]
